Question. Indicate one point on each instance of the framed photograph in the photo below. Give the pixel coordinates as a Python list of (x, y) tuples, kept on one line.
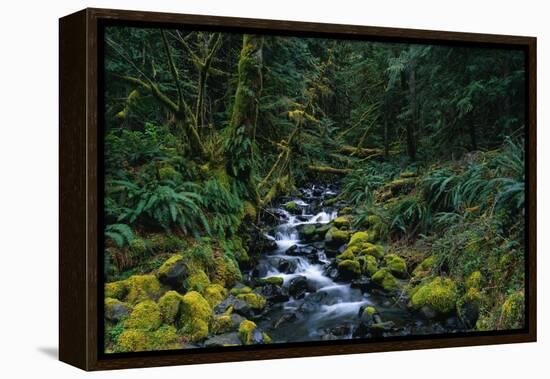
[(240, 189)]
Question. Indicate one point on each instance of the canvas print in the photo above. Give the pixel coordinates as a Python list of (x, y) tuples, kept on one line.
[(273, 189)]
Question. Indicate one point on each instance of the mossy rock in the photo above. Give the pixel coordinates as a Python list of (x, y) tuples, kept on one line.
[(439, 295), (370, 310), (138, 247), (132, 340), (115, 310), (197, 281), (346, 254), (367, 248), (401, 185), (143, 287), (513, 311), (369, 264), (425, 267), (196, 314), (173, 271), (336, 237), (169, 305), (342, 222), (215, 294), (221, 324), (358, 238), (247, 332), (308, 232), (275, 280), (255, 301), (145, 316), (226, 272), (385, 280), (349, 269), (397, 265), (116, 290), (292, 207), (240, 290), (345, 211)]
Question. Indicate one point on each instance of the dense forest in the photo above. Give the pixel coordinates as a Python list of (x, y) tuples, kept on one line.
[(268, 189)]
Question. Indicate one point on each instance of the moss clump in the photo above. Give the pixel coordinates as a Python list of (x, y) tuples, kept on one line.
[(246, 332), (513, 311), (221, 324), (226, 272), (367, 248), (439, 295), (169, 305), (474, 280), (349, 269), (369, 265), (167, 172), (172, 271), (397, 265), (254, 300), (195, 314), (358, 238), (345, 211), (385, 280), (143, 287), (291, 206), (240, 290), (115, 310), (370, 310), (215, 294), (145, 316), (138, 247), (308, 232), (424, 268), (336, 237), (197, 281), (249, 211), (401, 185), (165, 338), (347, 254), (132, 340), (342, 222), (275, 280), (116, 290)]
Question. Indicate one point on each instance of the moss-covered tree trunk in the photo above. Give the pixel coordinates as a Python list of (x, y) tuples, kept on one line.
[(242, 126)]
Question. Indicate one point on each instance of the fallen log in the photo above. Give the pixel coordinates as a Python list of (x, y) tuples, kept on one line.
[(330, 170), (361, 152)]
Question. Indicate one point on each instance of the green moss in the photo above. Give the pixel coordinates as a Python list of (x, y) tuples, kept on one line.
[(367, 248), (249, 211), (167, 172), (349, 268), (275, 280), (342, 222), (425, 267), (145, 316), (196, 313), (221, 324), (386, 280), (246, 332), (197, 281), (474, 280), (138, 247), (168, 266), (513, 311), (440, 295), (345, 211), (115, 309), (131, 340), (165, 338), (169, 305), (308, 232), (336, 236), (358, 238), (240, 290), (397, 265), (117, 290), (370, 310), (369, 265), (215, 294), (226, 272), (266, 338), (143, 287), (254, 300), (347, 254), (291, 206)]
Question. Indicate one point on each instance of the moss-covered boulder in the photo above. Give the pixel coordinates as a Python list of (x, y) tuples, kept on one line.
[(164, 338), (347, 254), (369, 264), (169, 305), (115, 310), (358, 238), (274, 280), (116, 290), (196, 314), (396, 265), (255, 301), (145, 316), (513, 311), (438, 295), (367, 248), (240, 289), (474, 280), (249, 334), (385, 280), (197, 281), (137, 247), (225, 271), (214, 294), (342, 222), (221, 324), (143, 287), (336, 237), (132, 340), (349, 269), (292, 207), (468, 306), (308, 233), (425, 268), (173, 272), (345, 211)]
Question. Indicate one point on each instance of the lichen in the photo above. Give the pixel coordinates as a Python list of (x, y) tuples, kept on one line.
[(386, 280), (440, 295), (246, 332), (254, 300), (145, 316), (397, 265), (169, 305), (214, 294)]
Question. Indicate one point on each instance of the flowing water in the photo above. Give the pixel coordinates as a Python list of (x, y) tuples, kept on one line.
[(327, 308)]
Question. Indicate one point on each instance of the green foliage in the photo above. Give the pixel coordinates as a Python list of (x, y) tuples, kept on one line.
[(121, 234), (225, 208)]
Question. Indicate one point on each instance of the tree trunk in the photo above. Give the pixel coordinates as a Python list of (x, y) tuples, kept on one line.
[(411, 126), (239, 153)]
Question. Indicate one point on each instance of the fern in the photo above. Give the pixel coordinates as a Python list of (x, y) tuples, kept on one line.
[(121, 234)]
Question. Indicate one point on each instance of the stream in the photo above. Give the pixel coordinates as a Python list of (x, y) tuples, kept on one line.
[(315, 303)]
